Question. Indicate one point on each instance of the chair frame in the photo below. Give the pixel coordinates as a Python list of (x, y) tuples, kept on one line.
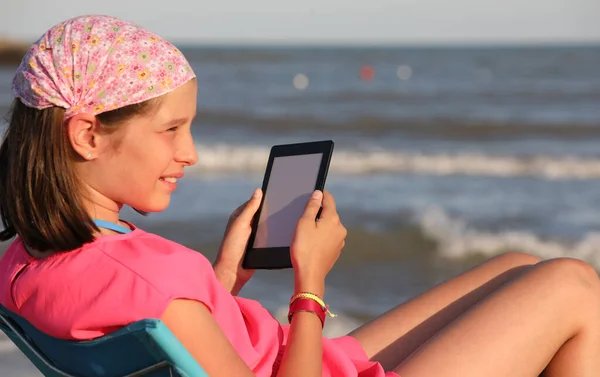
[(142, 372)]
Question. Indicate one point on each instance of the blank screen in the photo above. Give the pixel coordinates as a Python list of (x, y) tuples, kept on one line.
[(292, 181)]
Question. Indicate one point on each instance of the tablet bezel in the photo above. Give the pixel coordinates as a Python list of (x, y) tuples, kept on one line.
[(279, 257)]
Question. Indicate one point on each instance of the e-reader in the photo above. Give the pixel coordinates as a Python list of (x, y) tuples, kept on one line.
[(293, 173)]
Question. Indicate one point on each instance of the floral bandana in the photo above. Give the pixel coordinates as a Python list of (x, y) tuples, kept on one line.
[(92, 64)]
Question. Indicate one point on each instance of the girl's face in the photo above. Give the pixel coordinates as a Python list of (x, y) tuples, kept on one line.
[(145, 158)]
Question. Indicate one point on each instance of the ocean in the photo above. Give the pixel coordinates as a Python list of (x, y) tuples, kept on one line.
[(443, 157)]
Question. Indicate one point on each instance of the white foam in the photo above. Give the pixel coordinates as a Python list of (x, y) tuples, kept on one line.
[(230, 158), (456, 239)]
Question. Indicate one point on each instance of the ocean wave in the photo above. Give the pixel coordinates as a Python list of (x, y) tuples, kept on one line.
[(229, 158), (456, 239)]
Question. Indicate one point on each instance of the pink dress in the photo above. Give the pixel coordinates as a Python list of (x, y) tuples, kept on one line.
[(120, 279)]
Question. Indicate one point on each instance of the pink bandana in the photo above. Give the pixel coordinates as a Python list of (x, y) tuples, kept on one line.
[(93, 64)]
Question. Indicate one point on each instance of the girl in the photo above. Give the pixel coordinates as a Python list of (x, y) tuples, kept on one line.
[(102, 119)]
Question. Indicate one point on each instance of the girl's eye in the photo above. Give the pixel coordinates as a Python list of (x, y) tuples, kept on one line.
[(172, 129)]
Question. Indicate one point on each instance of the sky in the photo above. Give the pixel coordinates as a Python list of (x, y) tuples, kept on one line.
[(327, 21)]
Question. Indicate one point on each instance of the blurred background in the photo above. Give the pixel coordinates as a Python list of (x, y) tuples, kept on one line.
[(462, 129)]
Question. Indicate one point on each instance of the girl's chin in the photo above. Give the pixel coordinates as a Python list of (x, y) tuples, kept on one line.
[(154, 206)]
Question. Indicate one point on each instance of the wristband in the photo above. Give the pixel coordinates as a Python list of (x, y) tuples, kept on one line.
[(313, 297), (307, 305)]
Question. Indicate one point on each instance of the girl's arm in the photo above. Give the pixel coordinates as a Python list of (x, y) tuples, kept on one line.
[(230, 281), (304, 349), (192, 323), (314, 250)]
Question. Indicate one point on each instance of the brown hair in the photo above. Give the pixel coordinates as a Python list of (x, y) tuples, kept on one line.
[(40, 193)]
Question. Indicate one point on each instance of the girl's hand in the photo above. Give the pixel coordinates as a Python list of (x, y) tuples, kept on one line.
[(317, 244), (228, 265)]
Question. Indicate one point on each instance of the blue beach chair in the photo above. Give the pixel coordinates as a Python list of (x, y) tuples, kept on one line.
[(144, 348)]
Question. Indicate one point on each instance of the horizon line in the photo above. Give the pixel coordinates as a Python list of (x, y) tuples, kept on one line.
[(381, 42), (297, 42)]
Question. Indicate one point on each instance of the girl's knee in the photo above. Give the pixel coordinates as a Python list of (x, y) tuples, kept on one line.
[(574, 272), (578, 283)]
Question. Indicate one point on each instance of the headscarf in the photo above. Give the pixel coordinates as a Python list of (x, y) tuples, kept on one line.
[(93, 64)]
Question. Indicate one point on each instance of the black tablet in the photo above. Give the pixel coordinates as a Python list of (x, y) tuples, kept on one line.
[(293, 172)]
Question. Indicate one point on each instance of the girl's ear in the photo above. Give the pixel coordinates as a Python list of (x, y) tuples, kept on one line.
[(85, 136)]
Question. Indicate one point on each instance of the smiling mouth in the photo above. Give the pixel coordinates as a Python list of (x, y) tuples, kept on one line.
[(169, 179)]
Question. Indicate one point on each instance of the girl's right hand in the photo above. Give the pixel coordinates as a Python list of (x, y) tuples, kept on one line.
[(316, 244)]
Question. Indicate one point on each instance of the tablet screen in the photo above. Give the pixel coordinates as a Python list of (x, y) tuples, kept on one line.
[(292, 181)]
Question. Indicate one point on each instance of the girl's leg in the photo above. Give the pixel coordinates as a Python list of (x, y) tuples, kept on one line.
[(390, 338), (548, 318)]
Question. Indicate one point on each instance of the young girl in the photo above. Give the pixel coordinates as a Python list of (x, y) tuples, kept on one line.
[(102, 119)]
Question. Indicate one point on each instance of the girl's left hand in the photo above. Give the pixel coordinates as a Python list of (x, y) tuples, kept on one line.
[(228, 265)]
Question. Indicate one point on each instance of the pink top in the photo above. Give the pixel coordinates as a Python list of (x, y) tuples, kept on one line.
[(120, 279)]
